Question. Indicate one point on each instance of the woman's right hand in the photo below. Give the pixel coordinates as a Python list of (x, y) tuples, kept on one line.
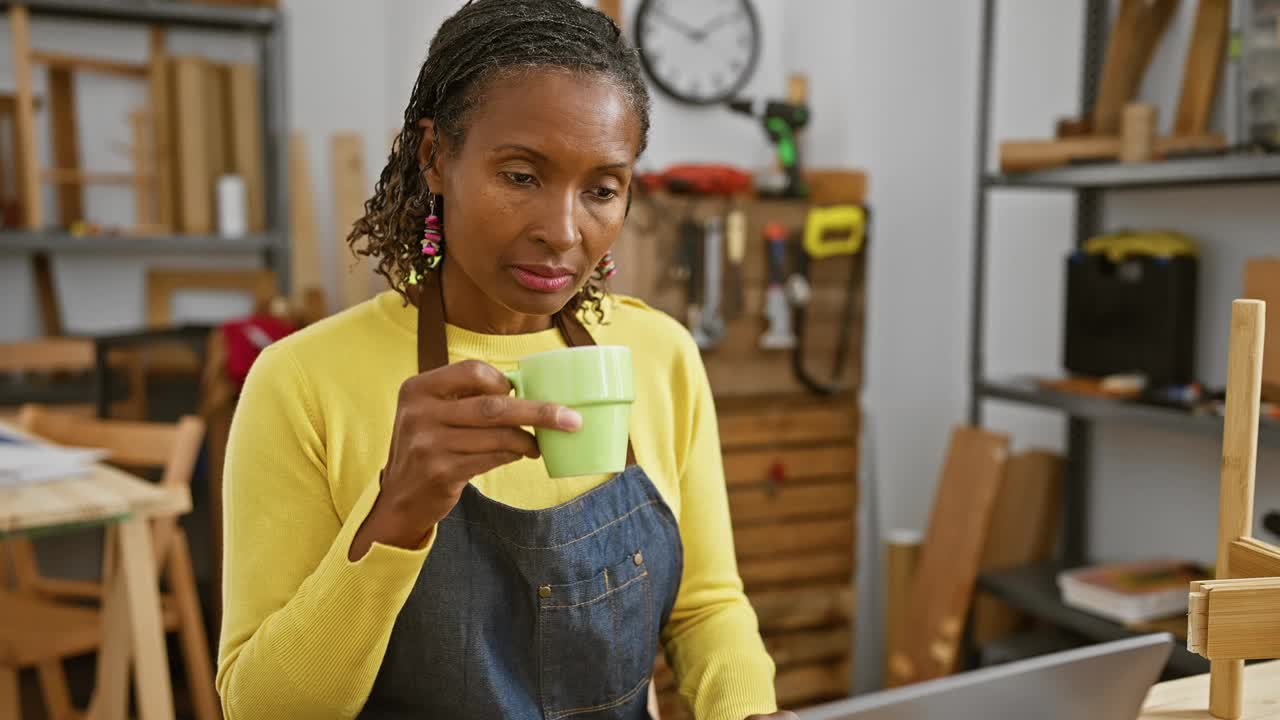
[(452, 424)]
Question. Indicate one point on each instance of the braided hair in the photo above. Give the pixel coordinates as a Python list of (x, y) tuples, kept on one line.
[(484, 41)]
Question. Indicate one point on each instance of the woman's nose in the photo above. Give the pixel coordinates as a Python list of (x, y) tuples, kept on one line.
[(559, 228)]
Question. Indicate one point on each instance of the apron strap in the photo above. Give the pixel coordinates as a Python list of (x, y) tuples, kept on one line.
[(433, 345)]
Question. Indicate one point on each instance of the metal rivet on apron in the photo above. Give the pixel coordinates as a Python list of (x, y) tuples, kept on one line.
[(544, 591), (638, 558)]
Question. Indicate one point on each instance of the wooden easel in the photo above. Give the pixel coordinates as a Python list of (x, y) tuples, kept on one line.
[(1237, 617)]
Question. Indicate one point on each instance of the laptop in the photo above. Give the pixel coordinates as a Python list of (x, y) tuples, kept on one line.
[(1100, 682)]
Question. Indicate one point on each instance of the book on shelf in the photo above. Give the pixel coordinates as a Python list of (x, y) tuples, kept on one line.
[(1133, 592)]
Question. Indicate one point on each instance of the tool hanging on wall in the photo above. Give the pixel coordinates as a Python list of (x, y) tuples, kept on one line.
[(735, 252), (688, 267), (709, 330), (837, 231), (777, 311), (782, 119)]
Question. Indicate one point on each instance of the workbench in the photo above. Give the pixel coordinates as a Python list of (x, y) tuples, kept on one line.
[(1188, 698)]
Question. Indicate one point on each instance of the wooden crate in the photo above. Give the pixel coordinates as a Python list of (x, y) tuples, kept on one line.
[(794, 537)]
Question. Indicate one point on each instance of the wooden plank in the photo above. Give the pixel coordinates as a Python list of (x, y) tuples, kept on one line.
[(752, 467), (790, 501), (1137, 29), (812, 684), (1262, 282), (217, 130), (163, 284), (245, 128), (1205, 56), (159, 110), (836, 186), (24, 131), (778, 424), (153, 690), (1023, 528), (46, 295), (68, 62), (1239, 463), (1027, 155), (1184, 698), (141, 157), (65, 142), (803, 608), (793, 538), (190, 154), (786, 571), (902, 557), (303, 239), (952, 551), (1243, 622), (47, 355), (1252, 558), (349, 194), (796, 648)]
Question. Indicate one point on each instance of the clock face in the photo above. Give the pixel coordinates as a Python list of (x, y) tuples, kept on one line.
[(698, 52)]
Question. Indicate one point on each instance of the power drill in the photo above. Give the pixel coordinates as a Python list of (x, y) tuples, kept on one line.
[(781, 122)]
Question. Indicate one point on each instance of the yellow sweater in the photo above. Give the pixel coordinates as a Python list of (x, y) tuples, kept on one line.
[(304, 629)]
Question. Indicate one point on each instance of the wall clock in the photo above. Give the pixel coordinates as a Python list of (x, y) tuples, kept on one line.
[(700, 53)]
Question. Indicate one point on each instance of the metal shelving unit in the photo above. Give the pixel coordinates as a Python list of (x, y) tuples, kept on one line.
[(1033, 590), (267, 27)]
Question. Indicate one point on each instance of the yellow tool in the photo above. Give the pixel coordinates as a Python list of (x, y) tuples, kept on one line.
[(834, 230)]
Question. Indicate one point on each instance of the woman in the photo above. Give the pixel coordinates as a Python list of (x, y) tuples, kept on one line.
[(393, 546)]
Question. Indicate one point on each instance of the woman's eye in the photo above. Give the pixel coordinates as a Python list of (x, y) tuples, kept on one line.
[(519, 178), (604, 193)]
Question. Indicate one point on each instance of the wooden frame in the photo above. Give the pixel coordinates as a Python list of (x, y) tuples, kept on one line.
[(163, 285), (1235, 618), (174, 448)]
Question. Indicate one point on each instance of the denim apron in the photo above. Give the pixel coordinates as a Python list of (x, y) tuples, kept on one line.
[(524, 614)]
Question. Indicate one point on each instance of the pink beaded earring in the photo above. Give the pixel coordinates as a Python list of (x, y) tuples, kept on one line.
[(607, 268), (432, 237)]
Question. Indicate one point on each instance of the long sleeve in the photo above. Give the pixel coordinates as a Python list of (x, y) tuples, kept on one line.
[(713, 637), (304, 629)]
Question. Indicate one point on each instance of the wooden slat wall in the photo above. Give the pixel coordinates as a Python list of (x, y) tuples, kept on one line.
[(794, 538)]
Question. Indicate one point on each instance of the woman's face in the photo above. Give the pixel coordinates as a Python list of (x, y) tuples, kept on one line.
[(538, 191)]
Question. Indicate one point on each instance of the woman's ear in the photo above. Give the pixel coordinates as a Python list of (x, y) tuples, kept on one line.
[(425, 156)]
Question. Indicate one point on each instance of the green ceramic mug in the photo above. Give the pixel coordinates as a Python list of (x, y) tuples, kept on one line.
[(599, 383)]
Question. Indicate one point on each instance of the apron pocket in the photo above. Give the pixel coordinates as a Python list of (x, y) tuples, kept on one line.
[(596, 640)]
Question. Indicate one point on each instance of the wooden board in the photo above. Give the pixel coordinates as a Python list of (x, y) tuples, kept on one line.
[(164, 284), (349, 194), (1252, 558), (796, 648), (65, 143), (303, 240), (1262, 282), (1244, 622), (803, 608), (1205, 56), (752, 467), (951, 553), (24, 131), (790, 501), (1185, 699), (189, 95), (794, 539), (1028, 155), (160, 111), (46, 295), (1137, 29), (901, 558), (245, 139), (1023, 528), (824, 566), (783, 424), (217, 130), (811, 684)]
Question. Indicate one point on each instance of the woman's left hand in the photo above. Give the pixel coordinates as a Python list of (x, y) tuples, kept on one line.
[(780, 715)]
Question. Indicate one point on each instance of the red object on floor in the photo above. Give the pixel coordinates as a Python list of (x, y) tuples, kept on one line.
[(246, 338)]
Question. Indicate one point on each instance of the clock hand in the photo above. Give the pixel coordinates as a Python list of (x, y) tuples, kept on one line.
[(678, 25), (716, 23)]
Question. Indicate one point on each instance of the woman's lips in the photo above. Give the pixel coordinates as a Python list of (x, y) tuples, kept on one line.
[(542, 278)]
